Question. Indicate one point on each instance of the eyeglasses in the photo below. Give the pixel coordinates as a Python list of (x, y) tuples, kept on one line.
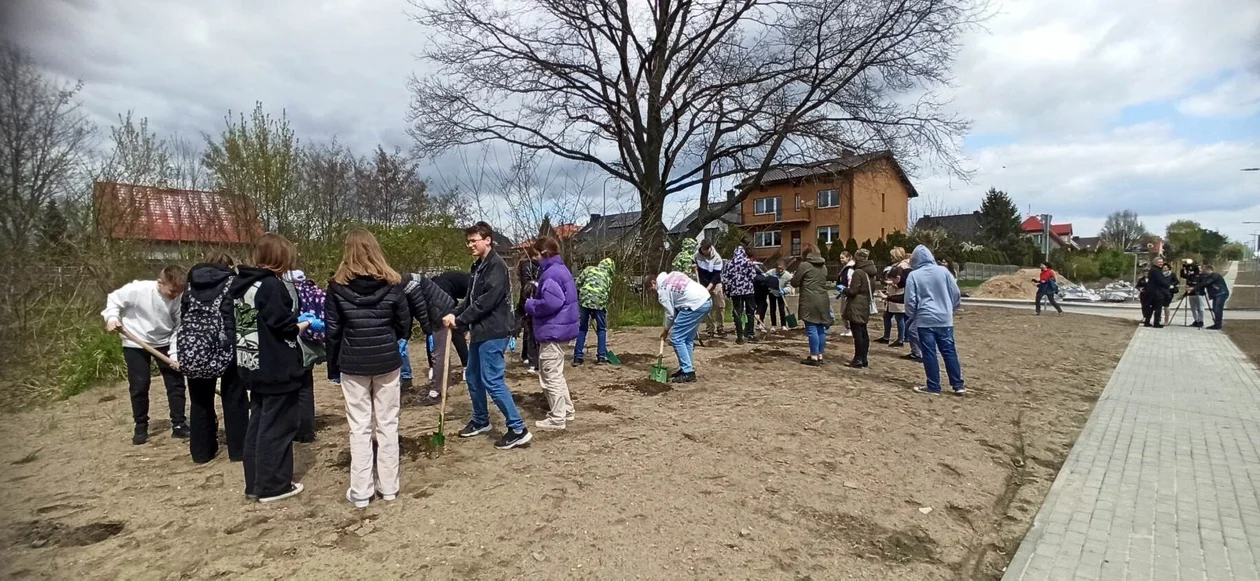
[(472, 241)]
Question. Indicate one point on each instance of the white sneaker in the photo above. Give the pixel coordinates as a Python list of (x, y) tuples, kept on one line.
[(295, 490), (847, 334), (550, 424), (356, 502), (389, 497), (570, 417)]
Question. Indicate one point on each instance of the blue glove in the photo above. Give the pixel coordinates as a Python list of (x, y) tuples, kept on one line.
[(512, 344), (316, 324), (839, 287)]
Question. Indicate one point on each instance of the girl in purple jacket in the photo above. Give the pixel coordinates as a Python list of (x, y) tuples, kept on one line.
[(554, 310)]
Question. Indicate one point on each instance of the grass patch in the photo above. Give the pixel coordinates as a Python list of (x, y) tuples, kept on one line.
[(971, 284), (635, 314), (27, 459), (92, 358), (1246, 335)]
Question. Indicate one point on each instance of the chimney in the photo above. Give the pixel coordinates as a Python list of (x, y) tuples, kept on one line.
[(730, 194), (594, 217)]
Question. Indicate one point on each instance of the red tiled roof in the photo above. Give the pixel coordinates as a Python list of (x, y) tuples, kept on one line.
[(563, 232), (128, 211), (1033, 224)]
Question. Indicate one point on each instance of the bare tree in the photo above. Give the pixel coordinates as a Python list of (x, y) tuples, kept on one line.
[(138, 156), (671, 95), (1122, 230), (187, 170), (537, 189), (45, 140)]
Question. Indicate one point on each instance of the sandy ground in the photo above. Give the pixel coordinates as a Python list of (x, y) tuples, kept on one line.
[(764, 469)]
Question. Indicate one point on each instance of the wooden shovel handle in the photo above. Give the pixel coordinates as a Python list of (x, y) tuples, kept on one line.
[(661, 352), (147, 347)]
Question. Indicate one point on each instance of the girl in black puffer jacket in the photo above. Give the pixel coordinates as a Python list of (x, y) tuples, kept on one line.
[(367, 314)]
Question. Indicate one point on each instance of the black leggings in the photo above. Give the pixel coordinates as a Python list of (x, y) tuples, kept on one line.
[(743, 315), (861, 341), (1048, 295), (776, 303)]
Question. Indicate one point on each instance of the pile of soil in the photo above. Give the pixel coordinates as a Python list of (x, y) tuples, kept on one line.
[(1013, 286)]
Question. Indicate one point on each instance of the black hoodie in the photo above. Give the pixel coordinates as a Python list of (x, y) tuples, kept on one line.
[(205, 282), (365, 319), (267, 353)]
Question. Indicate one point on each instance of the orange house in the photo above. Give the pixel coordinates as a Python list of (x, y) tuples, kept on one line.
[(860, 196)]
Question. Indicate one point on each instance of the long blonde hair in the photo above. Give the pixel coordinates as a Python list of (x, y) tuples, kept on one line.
[(363, 257)]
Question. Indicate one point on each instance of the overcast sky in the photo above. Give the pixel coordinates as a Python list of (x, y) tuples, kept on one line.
[(1080, 107)]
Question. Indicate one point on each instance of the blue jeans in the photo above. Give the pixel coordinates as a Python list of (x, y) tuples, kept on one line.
[(900, 318), (1218, 308), (912, 337), (683, 334), (485, 375), (601, 332), (406, 361), (931, 339), (817, 338)]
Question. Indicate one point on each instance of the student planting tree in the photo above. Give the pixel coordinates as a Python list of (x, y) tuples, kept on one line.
[(149, 311)]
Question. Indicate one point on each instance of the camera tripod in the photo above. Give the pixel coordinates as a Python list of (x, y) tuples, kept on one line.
[(1185, 314)]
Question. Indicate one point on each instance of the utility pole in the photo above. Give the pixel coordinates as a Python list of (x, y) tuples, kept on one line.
[(1046, 245)]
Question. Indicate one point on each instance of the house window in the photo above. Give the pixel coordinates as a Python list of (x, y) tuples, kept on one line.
[(798, 202), (828, 234), (768, 239), (881, 233), (828, 198), (883, 202), (711, 234), (763, 206)]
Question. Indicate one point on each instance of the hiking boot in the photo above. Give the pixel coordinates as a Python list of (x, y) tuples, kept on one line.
[(141, 434), (511, 439), (578, 362), (473, 429), (550, 424), (295, 488), (180, 431), (687, 377), (356, 502), (923, 389), (896, 344), (882, 340)]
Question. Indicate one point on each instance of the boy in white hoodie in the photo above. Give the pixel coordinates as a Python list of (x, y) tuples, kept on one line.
[(149, 310)]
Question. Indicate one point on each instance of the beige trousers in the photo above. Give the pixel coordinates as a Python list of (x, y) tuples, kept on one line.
[(372, 412), (551, 378), (717, 312)]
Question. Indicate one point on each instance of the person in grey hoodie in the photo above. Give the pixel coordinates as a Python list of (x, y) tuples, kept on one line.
[(932, 296)]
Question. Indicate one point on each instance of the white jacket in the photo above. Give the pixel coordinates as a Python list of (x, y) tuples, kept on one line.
[(143, 312), (676, 291), (709, 263)]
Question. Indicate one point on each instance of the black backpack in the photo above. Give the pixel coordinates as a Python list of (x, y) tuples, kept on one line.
[(205, 350)]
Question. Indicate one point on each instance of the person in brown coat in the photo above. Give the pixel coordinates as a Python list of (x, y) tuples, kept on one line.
[(860, 295)]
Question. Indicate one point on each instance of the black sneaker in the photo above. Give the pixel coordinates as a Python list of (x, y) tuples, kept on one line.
[(141, 435), (180, 431), (472, 429), (602, 361), (858, 364), (430, 400), (1197, 324), (896, 344), (752, 339), (1214, 327), (883, 340), (675, 374), (405, 384), (305, 439), (683, 377), (739, 340), (578, 362), (911, 357), (512, 439)]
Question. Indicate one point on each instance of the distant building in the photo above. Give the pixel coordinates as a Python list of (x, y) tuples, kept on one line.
[(1060, 234), (859, 196), (608, 231), (715, 228), (1088, 244), (562, 233), (167, 221), (961, 227)]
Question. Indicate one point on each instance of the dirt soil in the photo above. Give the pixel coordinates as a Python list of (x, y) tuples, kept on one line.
[(1010, 286), (764, 469)]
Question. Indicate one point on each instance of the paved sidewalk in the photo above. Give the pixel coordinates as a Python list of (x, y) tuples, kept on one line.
[(1164, 480)]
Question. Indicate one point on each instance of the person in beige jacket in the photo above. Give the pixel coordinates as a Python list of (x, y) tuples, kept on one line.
[(895, 297)]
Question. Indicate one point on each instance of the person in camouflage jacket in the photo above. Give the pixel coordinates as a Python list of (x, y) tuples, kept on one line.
[(685, 260), (594, 283)]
